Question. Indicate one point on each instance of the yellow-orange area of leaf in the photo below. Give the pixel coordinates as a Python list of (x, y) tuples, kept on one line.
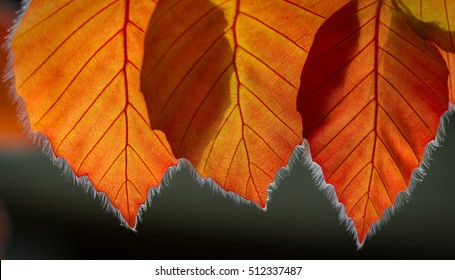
[(432, 20)]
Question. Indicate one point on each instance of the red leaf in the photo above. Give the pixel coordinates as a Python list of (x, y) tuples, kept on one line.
[(371, 97)]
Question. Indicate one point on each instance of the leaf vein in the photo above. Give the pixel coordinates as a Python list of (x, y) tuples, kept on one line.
[(271, 111), (110, 166), (310, 94), (232, 160), (304, 9), (407, 102), (268, 66), (399, 130), (341, 100), (353, 178), (88, 109), (187, 74), (136, 189), (391, 156), (383, 184), (343, 128), (143, 162), (414, 74), (183, 34), (349, 154), (66, 40), (99, 140), (44, 19), (216, 137), (274, 30), (263, 171), (200, 106), (265, 142)]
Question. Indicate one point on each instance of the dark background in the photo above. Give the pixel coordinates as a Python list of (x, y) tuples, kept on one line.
[(53, 219)]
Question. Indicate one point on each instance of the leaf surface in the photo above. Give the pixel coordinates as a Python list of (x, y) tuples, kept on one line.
[(432, 19), (371, 97), (222, 82), (77, 66)]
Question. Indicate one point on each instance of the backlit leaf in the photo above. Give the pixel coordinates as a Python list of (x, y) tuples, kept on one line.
[(432, 20), (371, 97), (76, 67), (222, 82)]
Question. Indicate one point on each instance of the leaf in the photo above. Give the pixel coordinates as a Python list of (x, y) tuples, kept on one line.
[(372, 93), (432, 20), (222, 81), (76, 67)]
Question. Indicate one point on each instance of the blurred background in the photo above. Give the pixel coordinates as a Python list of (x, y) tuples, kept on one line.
[(43, 216)]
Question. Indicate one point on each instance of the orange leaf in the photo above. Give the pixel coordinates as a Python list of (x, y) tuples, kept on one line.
[(222, 82), (371, 99), (76, 66), (432, 20)]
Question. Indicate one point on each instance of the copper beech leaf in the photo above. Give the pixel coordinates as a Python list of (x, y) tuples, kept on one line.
[(431, 19), (371, 97), (76, 68), (222, 83)]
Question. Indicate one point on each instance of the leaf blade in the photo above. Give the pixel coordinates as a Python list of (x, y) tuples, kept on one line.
[(245, 85), (366, 110), (107, 135)]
